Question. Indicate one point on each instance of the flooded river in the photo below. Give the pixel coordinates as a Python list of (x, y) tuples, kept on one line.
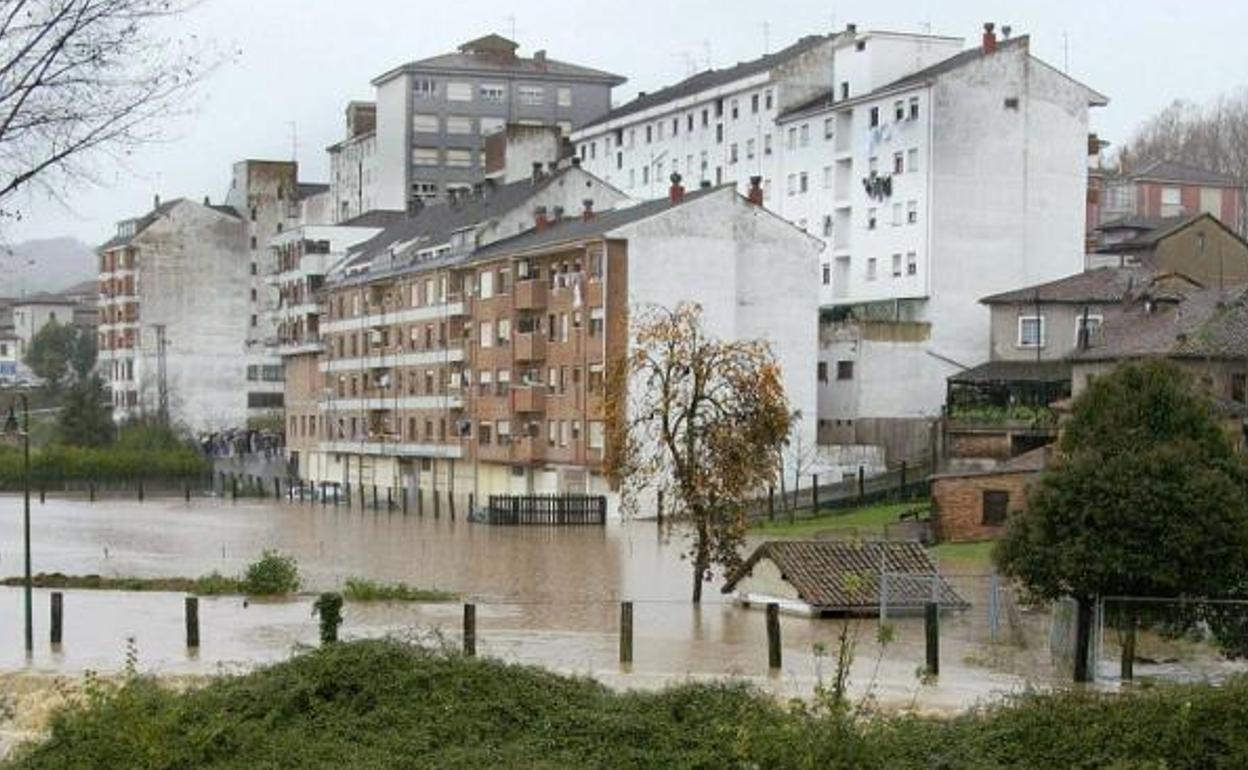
[(547, 596)]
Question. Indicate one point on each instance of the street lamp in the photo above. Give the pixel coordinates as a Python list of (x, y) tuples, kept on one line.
[(11, 428)]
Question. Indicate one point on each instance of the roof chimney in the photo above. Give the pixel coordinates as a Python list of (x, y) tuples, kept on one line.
[(1005, 31), (588, 212), (539, 218), (676, 193), (539, 57), (156, 201), (576, 161), (537, 172), (207, 202), (990, 37), (851, 28), (755, 195)]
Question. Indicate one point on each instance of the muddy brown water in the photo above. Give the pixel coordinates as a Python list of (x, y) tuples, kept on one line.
[(546, 596)]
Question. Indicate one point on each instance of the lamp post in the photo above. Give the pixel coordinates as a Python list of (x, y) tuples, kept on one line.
[(11, 428)]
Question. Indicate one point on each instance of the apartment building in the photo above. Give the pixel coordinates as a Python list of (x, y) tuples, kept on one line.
[(432, 114), (468, 353), (353, 164), (958, 180), (1163, 189), (173, 297)]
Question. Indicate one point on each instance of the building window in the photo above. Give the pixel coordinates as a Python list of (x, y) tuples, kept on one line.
[(896, 265), (871, 219), (828, 124), (803, 183), (827, 227), (899, 163), (494, 93), (766, 144), (844, 370), (1171, 202), (564, 96), (719, 133), (458, 91), (912, 160), (996, 504), (1239, 387), (914, 108), (827, 277), (792, 183), (827, 177), (754, 104), (871, 272), (1091, 323), (425, 156), (823, 371), (912, 212), (735, 109), (457, 124), (1031, 331), (424, 190), (899, 110), (804, 134), (767, 99), (425, 123), (732, 153), (459, 158), (875, 117), (844, 89), (791, 142), (424, 88), (749, 149), (912, 263)]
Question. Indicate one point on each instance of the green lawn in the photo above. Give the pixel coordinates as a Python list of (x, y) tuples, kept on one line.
[(868, 521), (964, 557)]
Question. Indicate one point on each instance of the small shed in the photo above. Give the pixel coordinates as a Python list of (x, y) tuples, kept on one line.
[(974, 505), (831, 577)]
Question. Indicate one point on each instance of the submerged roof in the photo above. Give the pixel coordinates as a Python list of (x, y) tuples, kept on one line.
[(711, 78), (1200, 323), (845, 575)]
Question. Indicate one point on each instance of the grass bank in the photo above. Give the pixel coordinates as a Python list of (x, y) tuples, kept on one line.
[(383, 704), (365, 590), (58, 464), (213, 584), (868, 521)]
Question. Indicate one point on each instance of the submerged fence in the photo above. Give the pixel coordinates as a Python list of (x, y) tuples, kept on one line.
[(900, 483), (557, 510)]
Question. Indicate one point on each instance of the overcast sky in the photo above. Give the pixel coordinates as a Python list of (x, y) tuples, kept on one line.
[(300, 61)]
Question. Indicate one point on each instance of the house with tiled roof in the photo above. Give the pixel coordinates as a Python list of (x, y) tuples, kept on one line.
[(1201, 246), (1167, 188)]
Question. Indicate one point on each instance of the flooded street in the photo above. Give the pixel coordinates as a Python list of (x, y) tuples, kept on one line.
[(547, 596)]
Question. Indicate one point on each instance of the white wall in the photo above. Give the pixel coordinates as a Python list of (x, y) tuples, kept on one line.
[(391, 151)]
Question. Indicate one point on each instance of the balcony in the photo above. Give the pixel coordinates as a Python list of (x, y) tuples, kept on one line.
[(528, 449), (529, 346), (528, 398), (530, 294)]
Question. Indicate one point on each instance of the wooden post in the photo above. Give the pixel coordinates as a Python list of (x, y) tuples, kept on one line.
[(773, 636), (277, 488), (771, 503), (233, 487), (450, 502), (814, 493), (626, 632), (346, 490), (660, 511), (902, 487), (420, 502), (140, 490), (931, 628), (374, 497), (1083, 639), (437, 506), (325, 495), (862, 485), (91, 490), (471, 503), (470, 629), (58, 616), (186, 491), (192, 622), (42, 494), (362, 500), (403, 499), (389, 498)]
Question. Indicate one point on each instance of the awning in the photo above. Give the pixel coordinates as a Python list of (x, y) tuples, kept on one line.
[(1001, 372)]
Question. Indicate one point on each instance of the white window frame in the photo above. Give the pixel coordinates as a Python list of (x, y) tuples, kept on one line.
[(1098, 318), (1022, 343)]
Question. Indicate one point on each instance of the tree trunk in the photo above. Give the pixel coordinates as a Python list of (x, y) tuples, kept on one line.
[(1083, 638), (1127, 666), (699, 563)]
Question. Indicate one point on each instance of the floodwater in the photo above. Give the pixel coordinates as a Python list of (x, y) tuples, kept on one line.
[(545, 596)]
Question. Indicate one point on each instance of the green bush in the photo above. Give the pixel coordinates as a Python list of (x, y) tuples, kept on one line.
[(365, 590), (383, 703), (272, 575), (65, 463)]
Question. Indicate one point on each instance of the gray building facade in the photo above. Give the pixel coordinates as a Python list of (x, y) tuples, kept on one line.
[(433, 114)]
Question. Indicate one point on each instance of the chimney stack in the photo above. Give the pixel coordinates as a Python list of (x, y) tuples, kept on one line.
[(676, 193), (1005, 31), (851, 28), (576, 161), (207, 202), (990, 37), (537, 172), (755, 195), (539, 57), (156, 201), (587, 213), (539, 218)]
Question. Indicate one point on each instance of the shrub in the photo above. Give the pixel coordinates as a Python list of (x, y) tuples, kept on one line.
[(365, 590), (272, 575)]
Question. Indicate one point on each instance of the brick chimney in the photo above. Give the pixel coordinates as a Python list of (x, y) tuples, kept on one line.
[(755, 195), (587, 213), (539, 218), (676, 193), (990, 37), (537, 172)]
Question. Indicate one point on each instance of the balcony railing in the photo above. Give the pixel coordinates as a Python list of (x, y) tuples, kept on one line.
[(530, 346), (530, 294), (528, 398), (528, 449)]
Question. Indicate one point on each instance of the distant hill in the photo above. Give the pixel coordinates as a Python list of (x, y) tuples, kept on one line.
[(46, 264)]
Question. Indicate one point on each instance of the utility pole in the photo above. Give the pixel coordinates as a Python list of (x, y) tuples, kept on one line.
[(162, 376)]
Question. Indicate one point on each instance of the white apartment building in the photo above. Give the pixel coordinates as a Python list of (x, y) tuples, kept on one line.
[(353, 165), (950, 183), (715, 127)]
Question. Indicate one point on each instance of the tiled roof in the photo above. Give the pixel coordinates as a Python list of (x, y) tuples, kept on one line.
[(375, 218), (844, 576), (1173, 171), (1148, 239), (1102, 285), (1014, 371), (308, 189), (711, 79), (1133, 222), (1202, 323), (481, 55), (145, 221)]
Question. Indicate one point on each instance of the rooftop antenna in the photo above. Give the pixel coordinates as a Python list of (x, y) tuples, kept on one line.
[(511, 24)]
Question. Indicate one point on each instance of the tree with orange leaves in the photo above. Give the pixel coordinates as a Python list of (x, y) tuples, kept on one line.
[(696, 423)]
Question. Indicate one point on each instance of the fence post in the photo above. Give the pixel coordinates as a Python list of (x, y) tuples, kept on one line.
[(450, 502), (814, 493), (862, 485), (931, 627), (472, 500), (771, 503), (140, 490), (186, 491), (626, 632), (233, 487), (277, 488), (1128, 651), (773, 636), (192, 622), (374, 497), (58, 615), (403, 499), (91, 490), (420, 502), (901, 491), (437, 504), (1083, 638), (994, 607), (470, 629), (389, 498), (42, 494), (363, 501), (659, 513)]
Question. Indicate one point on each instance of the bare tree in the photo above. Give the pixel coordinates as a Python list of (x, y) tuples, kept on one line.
[(798, 456), (83, 77), (1213, 136), (699, 421)]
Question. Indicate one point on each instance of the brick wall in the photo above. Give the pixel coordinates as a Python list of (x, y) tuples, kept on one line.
[(958, 503)]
